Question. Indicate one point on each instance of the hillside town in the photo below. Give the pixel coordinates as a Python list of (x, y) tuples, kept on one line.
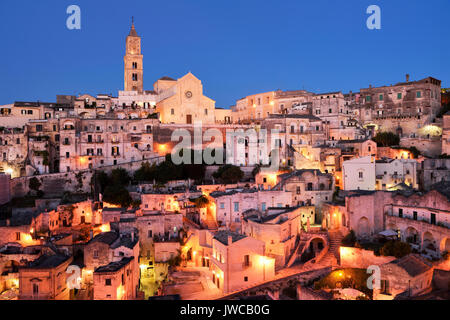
[(309, 191)]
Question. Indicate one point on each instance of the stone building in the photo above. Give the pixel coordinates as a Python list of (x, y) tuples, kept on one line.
[(432, 171), (45, 278), (278, 228), (118, 280), (308, 187), (404, 108), (228, 207), (259, 106), (13, 151), (423, 220), (155, 230), (108, 247), (392, 172), (93, 143), (239, 261), (408, 276)]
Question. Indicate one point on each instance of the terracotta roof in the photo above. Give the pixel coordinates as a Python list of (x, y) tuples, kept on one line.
[(167, 78)]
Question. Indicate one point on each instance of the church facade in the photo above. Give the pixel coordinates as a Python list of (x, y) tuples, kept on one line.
[(178, 101)]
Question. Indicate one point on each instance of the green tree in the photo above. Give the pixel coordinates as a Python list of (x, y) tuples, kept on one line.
[(120, 176), (34, 184), (229, 174), (386, 139), (103, 180), (117, 195), (200, 202)]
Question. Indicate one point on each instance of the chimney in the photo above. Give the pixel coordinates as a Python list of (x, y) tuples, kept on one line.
[(407, 77), (230, 240)]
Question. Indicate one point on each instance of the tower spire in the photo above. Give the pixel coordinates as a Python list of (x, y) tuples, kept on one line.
[(133, 32)]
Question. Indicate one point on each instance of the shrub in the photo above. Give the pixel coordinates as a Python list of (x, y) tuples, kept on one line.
[(349, 240), (397, 249), (229, 174), (386, 139)]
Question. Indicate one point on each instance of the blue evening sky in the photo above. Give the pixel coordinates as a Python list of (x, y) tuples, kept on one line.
[(236, 47)]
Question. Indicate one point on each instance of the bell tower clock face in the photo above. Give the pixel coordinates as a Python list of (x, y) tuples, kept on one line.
[(188, 94)]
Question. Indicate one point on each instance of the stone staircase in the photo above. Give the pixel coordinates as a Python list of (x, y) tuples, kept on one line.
[(332, 256), (210, 223)]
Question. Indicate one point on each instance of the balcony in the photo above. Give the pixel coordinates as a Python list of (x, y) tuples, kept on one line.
[(439, 225)]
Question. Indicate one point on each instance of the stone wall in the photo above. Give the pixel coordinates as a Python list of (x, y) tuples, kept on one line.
[(360, 258), (55, 184), (428, 147)]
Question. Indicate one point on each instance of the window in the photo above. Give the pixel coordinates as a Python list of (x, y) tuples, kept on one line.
[(236, 206), (206, 112), (17, 236), (415, 215), (263, 206), (135, 65), (150, 234), (360, 174), (399, 95), (67, 155), (107, 282), (380, 97), (298, 190), (39, 128), (222, 205), (172, 111), (35, 289), (135, 77), (400, 213), (247, 260), (419, 94), (95, 254), (368, 98)]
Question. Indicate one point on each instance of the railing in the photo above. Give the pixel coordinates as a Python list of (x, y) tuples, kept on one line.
[(421, 220)]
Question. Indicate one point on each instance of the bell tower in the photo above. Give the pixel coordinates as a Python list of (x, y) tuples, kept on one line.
[(133, 61)]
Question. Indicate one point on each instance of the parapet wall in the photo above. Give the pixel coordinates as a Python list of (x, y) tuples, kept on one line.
[(360, 258)]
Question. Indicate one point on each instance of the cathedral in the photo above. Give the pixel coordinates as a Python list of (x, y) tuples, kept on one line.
[(178, 101)]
